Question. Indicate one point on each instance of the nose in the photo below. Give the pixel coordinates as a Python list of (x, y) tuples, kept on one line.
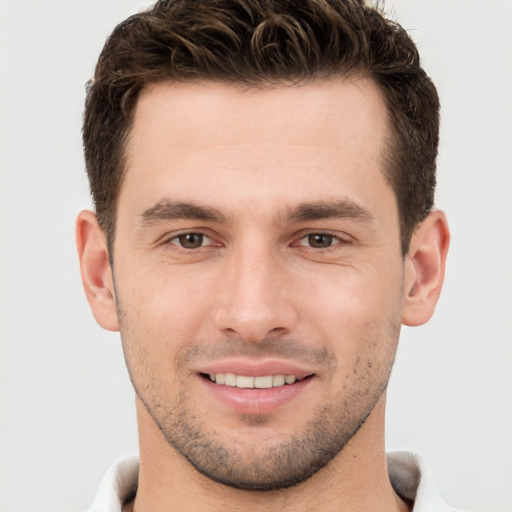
[(255, 297)]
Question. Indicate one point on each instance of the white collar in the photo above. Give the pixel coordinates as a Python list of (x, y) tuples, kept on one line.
[(412, 479), (410, 476)]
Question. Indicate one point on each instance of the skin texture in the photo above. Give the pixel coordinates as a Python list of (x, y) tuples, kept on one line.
[(293, 261)]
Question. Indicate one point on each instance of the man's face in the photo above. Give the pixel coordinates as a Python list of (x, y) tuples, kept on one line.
[(258, 244)]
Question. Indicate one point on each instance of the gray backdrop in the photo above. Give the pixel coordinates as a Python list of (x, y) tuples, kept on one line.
[(66, 402)]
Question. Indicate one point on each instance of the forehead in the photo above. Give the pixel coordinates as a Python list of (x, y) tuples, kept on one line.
[(222, 141), (241, 113)]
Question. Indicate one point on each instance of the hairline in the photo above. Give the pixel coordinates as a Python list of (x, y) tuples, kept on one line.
[(389, 148)]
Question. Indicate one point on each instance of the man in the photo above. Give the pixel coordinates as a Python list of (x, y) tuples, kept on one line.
[(263, 174)]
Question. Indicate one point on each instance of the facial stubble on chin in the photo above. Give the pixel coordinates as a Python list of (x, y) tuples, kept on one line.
[(248, 465)]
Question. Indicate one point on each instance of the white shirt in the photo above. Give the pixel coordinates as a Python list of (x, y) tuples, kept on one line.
[(409, 475)]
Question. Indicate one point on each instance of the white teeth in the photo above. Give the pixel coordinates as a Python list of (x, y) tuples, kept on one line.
[(263, 382), (229, 379), (246, 382), (278, 380)]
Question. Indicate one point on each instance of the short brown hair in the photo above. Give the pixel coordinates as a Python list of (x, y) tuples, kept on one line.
[(258, 42)]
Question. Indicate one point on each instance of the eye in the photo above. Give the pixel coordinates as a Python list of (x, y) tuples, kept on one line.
[(320, 240), (191, 240)]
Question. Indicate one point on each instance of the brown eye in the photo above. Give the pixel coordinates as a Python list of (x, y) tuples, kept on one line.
[(190, 240), (320, 240)]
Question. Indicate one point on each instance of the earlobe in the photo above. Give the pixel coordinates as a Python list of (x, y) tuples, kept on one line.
[(424, 269), (96, 271)]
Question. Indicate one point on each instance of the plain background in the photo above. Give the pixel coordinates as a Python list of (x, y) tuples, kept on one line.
[(66, 402)]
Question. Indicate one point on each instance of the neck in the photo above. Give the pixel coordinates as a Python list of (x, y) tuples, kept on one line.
[(355, 480)]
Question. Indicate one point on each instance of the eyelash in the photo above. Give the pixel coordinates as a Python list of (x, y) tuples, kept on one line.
[(336, 240), (174, 240)]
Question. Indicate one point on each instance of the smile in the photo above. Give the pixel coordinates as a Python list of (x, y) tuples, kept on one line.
[(247, 382), (256, 390)]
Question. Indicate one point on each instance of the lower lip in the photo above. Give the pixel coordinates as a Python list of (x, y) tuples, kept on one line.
[(257, 401)]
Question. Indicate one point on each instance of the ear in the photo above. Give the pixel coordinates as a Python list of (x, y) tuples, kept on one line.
[(95, 268), (424, 269)]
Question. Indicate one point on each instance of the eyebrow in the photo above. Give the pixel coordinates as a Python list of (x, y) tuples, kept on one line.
[(170, 210), (167, 210), (342, 209)]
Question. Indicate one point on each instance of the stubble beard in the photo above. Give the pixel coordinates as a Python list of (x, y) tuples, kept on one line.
[(248, 465), (253, 467)]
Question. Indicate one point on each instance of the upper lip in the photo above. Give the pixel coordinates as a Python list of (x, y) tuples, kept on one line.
[(256, 368)]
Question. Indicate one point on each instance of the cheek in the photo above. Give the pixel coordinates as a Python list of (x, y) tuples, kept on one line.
[(160, 314), (165, 299), (353, 296), (358, 313)]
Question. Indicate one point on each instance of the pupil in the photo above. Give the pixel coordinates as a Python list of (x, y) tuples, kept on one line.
[(320, 241), (191, 240)]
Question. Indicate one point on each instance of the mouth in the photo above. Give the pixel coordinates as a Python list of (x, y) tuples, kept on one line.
[(249, 382), (255, 391)]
